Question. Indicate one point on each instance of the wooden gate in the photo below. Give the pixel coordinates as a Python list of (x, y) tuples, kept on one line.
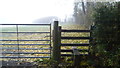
[(58, 46)]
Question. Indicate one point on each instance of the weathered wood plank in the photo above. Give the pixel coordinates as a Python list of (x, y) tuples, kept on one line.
[(72, 54), (70, 50), (68, 44), (75, 38), (75, 30)]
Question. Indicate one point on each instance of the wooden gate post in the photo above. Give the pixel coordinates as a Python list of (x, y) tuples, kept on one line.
[(76, 58), (56, 43)]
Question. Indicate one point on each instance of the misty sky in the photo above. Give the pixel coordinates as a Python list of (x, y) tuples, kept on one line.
[(26, 11)]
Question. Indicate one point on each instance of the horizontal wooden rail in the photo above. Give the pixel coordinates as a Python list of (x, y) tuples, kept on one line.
[(75, 38), (67, 44), (66, 54), (72, 54), (25, 53), (24, 44), (15, 48), (24, 57), (24, 40), (24, 32), (70, 50), (75, 30)]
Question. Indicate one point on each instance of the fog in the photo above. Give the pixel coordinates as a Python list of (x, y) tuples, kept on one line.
[(27, 11)]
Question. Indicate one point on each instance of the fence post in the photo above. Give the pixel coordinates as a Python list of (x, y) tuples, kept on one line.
[(76, 58), (56, 43), (91, 40)]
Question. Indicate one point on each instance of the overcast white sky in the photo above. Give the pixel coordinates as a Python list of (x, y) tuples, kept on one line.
[(25, 11)]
